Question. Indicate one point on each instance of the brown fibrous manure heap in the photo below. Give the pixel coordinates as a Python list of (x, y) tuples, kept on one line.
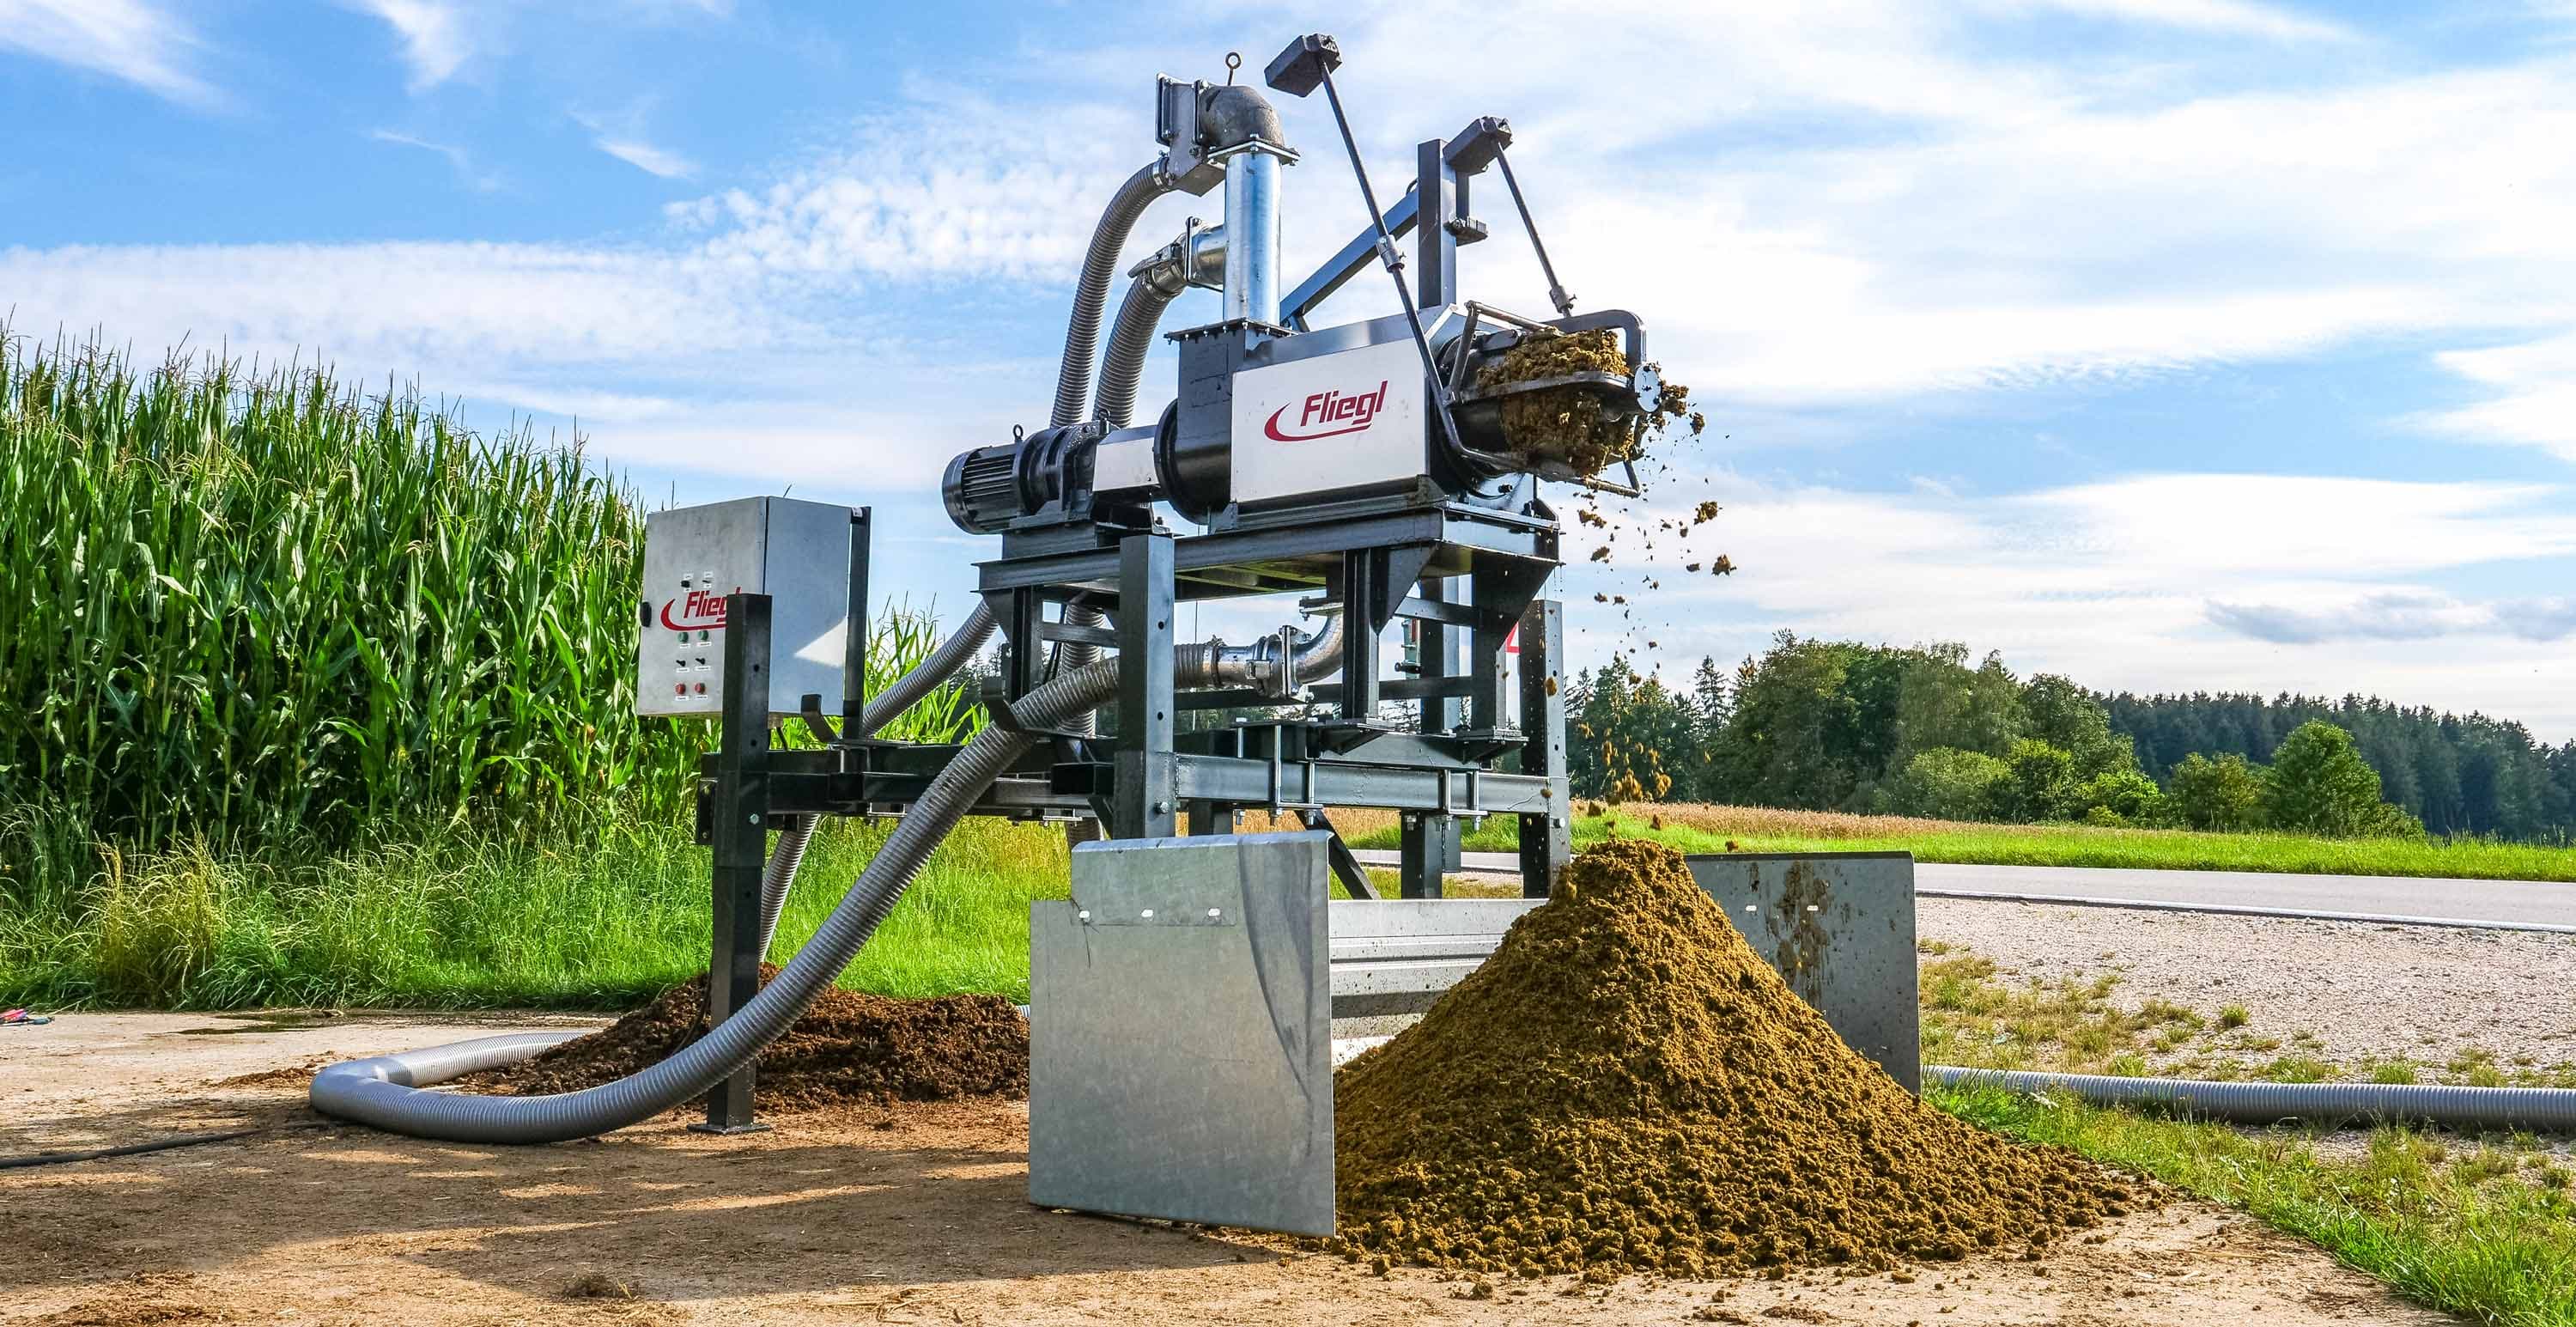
[(1626, 1087), (849, 1049), (1569, 425)]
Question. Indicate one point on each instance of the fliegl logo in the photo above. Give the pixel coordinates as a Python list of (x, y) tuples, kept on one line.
[(1327, 415), (699, 609)]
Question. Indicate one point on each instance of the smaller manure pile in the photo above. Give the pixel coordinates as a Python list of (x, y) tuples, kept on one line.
[(849, 1049)]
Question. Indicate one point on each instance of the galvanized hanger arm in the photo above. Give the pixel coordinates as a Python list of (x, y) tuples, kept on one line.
[(1310, 60), (1556, 292)]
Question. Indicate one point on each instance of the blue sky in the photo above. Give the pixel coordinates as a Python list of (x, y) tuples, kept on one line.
[(2171, 344)]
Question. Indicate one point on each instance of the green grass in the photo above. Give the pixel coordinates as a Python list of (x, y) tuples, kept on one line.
[(463, 920), (2489, 1234), (1698, 829)]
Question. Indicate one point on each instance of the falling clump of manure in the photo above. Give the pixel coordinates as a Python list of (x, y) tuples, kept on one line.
[(849, 1049), (1571, 425), (1626, 1087)]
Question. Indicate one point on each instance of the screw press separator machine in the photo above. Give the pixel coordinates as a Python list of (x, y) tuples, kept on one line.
[(1355, 466), (1182, 999)]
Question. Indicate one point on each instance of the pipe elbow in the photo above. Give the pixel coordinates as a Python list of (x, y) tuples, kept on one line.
[(1236, 114)]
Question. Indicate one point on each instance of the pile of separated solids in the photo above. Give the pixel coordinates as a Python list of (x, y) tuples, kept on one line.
[(1625, 1086), (848, 1049), (1571, 425)]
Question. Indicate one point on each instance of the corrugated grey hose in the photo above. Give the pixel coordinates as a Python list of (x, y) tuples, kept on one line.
[(1130, 338), (1091, 293), (952, 656), (2539, 1108), (1081, 656), (384, 1091), (1114, 403)]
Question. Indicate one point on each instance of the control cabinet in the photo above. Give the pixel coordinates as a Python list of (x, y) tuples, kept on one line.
[(796, 552)]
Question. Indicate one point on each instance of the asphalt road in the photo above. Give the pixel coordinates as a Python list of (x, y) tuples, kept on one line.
[(2526, 902), (2515, 902)]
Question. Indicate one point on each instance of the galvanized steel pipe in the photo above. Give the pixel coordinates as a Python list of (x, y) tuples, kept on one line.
[(1252, 234)]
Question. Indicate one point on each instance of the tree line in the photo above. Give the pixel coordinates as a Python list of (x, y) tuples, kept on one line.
[(2459, 774), (1837, 725)]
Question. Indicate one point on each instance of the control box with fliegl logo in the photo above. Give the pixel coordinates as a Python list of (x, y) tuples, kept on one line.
[(796, 552)]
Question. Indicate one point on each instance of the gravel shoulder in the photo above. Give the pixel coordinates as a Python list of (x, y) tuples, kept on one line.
[(2361, 994)]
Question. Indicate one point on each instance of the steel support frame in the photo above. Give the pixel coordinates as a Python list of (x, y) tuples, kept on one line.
[(1144, 799), (739, 814), (1382, 560), (1316, 549), (1467, 154), (1439, 199)]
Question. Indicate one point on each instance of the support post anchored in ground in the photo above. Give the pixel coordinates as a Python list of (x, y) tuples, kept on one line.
[(741, 811), (1546, 843)]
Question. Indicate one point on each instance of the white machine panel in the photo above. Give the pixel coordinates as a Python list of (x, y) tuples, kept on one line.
[(1123, 465), (797, 553), (1336, 421)]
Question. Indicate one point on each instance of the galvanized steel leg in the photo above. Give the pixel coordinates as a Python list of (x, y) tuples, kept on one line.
[(1431, 841), (1546, 845), (1363, 592), (1430, 851), (1143, 765)]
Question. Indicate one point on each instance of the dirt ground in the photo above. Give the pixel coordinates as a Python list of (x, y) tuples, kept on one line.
[(913, 1216)]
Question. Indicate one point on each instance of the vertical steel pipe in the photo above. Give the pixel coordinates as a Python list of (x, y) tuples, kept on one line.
[(1252, 234)]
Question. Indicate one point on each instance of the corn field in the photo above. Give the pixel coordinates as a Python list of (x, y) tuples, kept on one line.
[(247, 608)]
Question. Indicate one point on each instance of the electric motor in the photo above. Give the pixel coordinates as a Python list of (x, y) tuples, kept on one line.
[(990, 487), (980, 488)]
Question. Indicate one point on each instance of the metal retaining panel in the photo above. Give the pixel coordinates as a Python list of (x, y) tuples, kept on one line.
[(1840, 928), (1180, 1033)]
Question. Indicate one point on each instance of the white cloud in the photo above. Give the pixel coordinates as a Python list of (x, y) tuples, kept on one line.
[(458, 159), (430, 309), (437, 36), (647, 158), (622, 136), (2535, 395), (2386, 616), (2222, 16), (948, 188), (440, 38), (134, 40), (1827, 203), (2242, 582)]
